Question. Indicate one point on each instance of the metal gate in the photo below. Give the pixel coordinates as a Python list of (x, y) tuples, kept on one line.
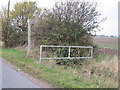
[(69, 52)]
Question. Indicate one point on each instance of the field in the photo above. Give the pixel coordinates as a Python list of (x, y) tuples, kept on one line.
[(107, 45), (106, 42)]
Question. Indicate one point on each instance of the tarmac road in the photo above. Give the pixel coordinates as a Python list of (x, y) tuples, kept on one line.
[(13, 79)]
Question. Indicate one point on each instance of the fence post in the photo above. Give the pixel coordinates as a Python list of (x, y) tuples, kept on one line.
[(69, 53), (91, 51), (40, 53)]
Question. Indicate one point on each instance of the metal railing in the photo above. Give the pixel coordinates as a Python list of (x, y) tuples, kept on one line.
[(68, 52)]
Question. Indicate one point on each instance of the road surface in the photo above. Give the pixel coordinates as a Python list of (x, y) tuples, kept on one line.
[(13, 79)]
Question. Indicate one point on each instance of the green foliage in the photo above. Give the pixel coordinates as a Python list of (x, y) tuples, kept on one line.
[(14, 28), (68, 23), (16, 37), (13, 36), (22, 11)]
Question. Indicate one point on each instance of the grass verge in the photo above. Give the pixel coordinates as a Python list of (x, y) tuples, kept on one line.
[(59, 76)]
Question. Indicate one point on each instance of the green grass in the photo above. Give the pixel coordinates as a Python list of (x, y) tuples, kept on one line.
[(102, 57), (58, 75), (110, 47), (0, 51)]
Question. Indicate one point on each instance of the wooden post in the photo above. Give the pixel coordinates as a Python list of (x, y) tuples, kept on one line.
[(29, 38)]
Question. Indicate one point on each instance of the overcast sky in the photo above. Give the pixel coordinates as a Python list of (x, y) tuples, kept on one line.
[(108, 8)]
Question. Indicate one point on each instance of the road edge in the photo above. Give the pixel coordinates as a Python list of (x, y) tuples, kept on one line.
[(38, 82)]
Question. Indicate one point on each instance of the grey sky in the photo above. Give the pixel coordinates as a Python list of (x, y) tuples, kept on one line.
[(108, 8)]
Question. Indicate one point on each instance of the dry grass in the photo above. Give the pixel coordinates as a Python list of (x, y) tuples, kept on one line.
[(106, 70), (111, 65)]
